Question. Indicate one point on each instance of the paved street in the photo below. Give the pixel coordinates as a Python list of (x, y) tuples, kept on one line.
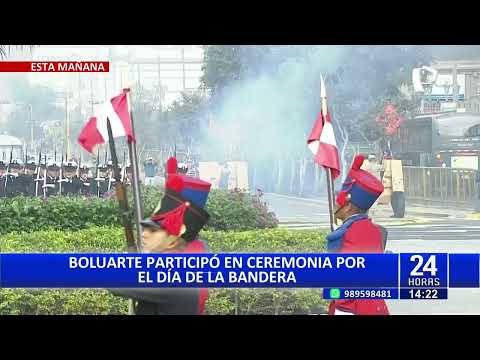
[(424, 229)]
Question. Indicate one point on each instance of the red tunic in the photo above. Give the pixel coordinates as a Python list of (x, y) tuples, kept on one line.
[(197, 247), (362, 237)]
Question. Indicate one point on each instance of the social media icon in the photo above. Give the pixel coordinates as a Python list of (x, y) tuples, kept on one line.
[(334, 293)]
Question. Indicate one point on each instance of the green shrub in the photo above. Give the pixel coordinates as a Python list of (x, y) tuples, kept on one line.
[(235, 210), (268, 240), (23, 214), (228, 210), (94, 239), (108, 239), (111, 239)]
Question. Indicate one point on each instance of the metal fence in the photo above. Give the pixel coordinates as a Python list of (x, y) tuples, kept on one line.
[(439, 184)]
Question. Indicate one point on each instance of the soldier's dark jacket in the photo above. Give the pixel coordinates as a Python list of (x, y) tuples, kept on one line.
[(101, 185), (37, 184), (87, 187), (162, 301), (72, 186), (2, 186), (25, 185), (9, 185), (172, 301), (52, 186)]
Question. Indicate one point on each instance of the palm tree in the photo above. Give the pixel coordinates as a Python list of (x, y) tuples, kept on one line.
[(5, 49)]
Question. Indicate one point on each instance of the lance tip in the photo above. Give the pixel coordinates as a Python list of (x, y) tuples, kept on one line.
[(323, 91)]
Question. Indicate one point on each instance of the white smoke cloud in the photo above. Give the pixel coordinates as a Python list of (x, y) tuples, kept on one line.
[(269, 114)]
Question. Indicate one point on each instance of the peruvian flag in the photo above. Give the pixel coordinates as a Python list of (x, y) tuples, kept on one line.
[(322, 139), (117, 110)]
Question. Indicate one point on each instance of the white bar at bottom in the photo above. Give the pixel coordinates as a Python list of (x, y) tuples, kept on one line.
[(339, 312)]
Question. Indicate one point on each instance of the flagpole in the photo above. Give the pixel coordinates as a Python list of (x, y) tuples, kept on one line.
[(132, 152), (123, 202), (330, 193), (329, 182)]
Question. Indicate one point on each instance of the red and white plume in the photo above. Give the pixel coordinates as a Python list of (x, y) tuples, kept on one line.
[(117, 110), (322, 141)]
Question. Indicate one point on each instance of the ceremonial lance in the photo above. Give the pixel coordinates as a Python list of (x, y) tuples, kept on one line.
[(60, 178), (8, 171), (45, 179), (132, 150), (121, 193), (37, 179), (97, 163), (330, 186), (322, 143)]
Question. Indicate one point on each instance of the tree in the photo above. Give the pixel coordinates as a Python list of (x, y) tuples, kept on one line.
[(226, 63), (390, 68), (179, 124), (187, 117)]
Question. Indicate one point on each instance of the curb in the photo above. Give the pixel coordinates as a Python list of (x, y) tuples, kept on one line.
[(474, 216), (407, 222), (313, 226), (429, 214)]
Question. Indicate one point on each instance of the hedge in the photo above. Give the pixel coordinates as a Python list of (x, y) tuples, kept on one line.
[(111, 239), (228, 210)]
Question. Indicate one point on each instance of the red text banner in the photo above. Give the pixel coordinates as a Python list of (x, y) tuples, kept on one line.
[(54, 66)]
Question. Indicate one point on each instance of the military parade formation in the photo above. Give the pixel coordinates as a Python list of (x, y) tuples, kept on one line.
[(45, 178)]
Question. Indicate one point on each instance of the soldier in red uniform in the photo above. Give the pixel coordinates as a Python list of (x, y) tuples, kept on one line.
[(174, 228), (357, 234)]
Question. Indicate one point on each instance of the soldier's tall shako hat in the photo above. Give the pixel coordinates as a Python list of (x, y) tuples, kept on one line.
[(70, 165), (84, 169), (16, 164), (183, 203), (53, 165), (31, 164), (360, 187), (182, 166), (43, 164)]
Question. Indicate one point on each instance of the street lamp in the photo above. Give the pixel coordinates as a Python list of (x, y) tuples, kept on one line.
[(66, 94)]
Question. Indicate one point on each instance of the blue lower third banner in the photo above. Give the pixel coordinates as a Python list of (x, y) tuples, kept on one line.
[(199, 270), (464, 270)]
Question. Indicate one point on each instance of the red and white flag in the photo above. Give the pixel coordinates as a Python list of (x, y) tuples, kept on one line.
[(322, 141), (118, 112)]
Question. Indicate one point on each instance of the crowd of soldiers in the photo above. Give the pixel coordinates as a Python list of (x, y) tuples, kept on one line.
[(65, 178)]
